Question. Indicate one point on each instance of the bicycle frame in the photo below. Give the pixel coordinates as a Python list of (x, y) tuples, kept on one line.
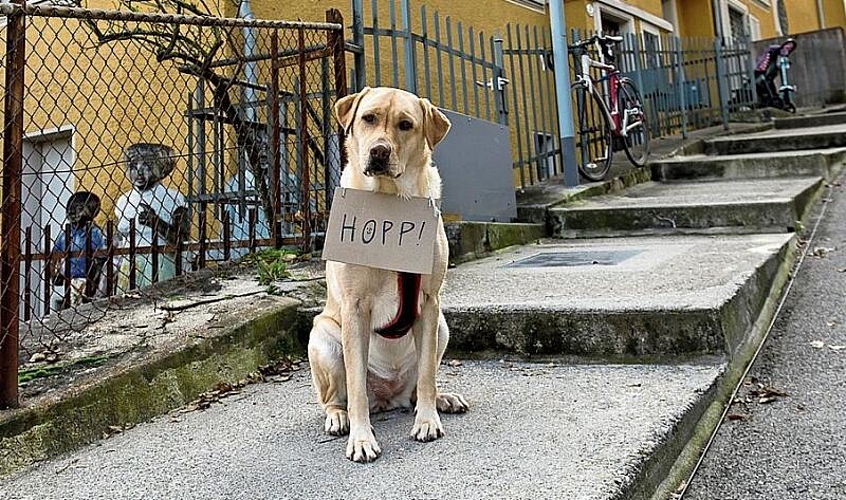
[(785, 89), (620, 125)]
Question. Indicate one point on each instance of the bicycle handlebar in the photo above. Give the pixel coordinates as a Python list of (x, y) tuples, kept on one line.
[(602, 39)]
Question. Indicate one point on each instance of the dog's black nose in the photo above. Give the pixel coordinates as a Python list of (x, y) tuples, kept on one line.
[(380, 152)]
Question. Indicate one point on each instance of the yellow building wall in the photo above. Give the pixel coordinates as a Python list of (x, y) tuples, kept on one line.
[(651, 6), (801, 16), (112, 96), (835, 13), (696, 18), (764, 16)]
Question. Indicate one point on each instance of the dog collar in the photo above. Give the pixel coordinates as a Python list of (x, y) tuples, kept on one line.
[(408, 289)]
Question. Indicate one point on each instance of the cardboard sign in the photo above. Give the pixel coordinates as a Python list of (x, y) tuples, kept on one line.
[(381, 231)]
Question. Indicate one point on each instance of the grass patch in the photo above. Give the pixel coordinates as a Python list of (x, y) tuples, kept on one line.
[(30, 374)]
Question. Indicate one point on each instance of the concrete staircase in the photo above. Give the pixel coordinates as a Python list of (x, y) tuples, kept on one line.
[(691, 277), (595, 367)]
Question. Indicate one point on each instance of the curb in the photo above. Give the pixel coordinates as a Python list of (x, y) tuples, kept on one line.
[(142, 386)]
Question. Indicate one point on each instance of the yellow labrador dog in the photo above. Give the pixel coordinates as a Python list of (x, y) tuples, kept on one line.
[(379, 341)]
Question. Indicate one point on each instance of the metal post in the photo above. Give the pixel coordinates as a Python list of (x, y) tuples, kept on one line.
[(408, 52), (498, 80), (820, 15), (336, 44), (275, 141), (305, 206), (721, 82), (10, 210), (358, 40), (750, 67), (562, 92), (681, 81)]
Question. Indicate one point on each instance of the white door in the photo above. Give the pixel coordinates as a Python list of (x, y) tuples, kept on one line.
[(47, 184)]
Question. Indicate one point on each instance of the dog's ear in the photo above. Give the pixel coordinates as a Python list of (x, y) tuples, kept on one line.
[(435, 124), (346, 108)]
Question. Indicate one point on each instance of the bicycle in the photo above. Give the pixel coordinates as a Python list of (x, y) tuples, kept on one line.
[(603, 125), (774, 62)]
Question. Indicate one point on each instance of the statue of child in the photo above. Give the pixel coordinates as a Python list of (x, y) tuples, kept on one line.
[(82, 208), (160, 214)]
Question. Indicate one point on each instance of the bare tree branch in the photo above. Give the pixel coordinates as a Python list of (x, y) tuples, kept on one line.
[(196, 54)]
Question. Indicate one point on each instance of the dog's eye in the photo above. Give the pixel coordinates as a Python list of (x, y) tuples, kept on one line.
[(405, 125), (369, 118)]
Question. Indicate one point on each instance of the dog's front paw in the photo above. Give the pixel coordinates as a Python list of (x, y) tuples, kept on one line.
[(452, 402), (362, 446), (427, 426), (337, 422)]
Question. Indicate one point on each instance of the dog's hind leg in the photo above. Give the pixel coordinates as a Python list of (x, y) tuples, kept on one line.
[(326, 358), (447, 402)]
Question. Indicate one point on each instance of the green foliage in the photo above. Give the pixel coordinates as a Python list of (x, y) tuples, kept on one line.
[(272, 264), (49, 370)]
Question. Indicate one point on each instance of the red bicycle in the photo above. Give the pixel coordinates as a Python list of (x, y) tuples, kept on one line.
[(605, 126)]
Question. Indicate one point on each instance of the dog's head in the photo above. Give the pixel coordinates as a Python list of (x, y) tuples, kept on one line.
[(147, 164), (389, 131)]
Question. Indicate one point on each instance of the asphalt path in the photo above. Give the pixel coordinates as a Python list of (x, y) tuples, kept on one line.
[(792, 446)]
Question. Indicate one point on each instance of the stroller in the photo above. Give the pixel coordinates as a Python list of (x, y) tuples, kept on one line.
[(774, 62)]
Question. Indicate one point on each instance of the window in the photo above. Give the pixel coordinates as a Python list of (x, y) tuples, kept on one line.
[(754, 28)]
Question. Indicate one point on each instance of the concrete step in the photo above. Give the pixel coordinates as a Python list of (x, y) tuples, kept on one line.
[(758, 205), (826, 163), (539, 431), (831, 136), (815, 120), (627, 298)]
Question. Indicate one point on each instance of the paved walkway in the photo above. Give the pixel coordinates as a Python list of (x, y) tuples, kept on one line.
[(793, 447), (534, 431)]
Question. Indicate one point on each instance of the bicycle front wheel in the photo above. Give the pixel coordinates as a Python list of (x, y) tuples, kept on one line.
[(635, 130), (593, 134)]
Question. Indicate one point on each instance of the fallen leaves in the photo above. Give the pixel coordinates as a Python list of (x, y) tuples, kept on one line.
[(766, 394), (819, 344), (822, 252), (279, 371), (757, 393), (114, 430), (45, 356)]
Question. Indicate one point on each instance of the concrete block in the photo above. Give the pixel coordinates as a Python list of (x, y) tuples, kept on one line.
[(771, 205), (826, 163)]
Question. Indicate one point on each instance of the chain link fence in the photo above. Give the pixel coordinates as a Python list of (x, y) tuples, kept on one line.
[(141, 146)]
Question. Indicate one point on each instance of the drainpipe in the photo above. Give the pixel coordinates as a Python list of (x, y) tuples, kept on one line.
[(561, 61), (718, 21), (821, 14), (245, 11)]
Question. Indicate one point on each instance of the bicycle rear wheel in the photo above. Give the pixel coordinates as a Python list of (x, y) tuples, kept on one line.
[(593, 135), (636, 133)]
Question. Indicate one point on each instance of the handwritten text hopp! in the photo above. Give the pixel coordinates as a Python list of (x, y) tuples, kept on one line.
[(381, 231)]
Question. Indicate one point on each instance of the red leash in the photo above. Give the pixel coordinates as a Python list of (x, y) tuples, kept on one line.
[(408, 288)]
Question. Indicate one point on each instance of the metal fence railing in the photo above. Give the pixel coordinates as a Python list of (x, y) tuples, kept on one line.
[(139, 146), (686, 83), (508, 76)]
